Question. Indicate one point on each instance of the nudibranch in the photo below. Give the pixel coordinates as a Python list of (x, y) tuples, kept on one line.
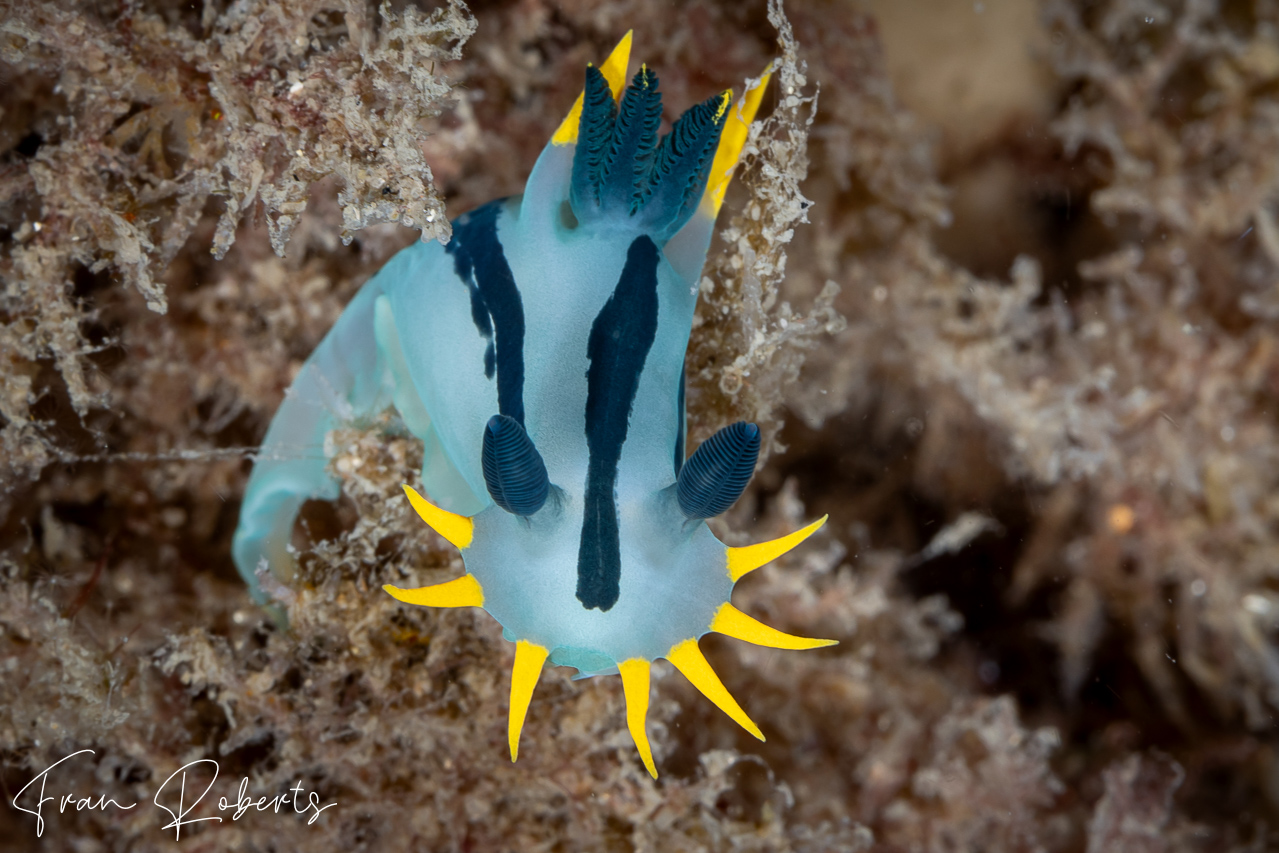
[(539, 356)]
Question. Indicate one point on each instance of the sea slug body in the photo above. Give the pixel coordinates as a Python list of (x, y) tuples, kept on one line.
[(539, 356)]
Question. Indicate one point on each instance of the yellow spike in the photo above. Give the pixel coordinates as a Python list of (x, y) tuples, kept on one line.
[(732, 622), (731, 141), (459, 592), (751, 557), (458, 529), (688, 659), (635, 686), (615, 67), (614, 71), (529, 658)]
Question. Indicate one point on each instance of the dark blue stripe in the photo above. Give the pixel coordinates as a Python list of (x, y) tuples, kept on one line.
[(681, 427), (496, 307), (621, 337)]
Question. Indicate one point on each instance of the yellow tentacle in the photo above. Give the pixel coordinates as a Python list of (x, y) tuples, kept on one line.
[(749, 558), (635, 676), (731, 141), (688, 659), (529, 658), (459, 592), (615, 67), (614, 71), (732, 622), (457, 529)]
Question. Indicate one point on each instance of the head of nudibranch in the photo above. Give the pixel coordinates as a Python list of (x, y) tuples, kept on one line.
[(594, 552)]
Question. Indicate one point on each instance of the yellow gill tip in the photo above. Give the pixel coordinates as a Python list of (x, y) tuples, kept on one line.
[(459, 592), (529, 658), (457, 529), (687, 657), (732, 622), (746, 559), (635, 682), (725, 100)]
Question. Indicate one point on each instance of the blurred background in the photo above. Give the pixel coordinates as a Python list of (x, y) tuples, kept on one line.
[(999, 279)]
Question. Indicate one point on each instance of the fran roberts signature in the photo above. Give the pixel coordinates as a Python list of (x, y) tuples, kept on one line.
[(171, 797)]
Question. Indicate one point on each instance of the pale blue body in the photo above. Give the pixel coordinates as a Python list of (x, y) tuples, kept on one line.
[(408, 339), (540, 359)]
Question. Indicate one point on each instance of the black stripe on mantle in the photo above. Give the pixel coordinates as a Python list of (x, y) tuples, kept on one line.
[(621, 336)]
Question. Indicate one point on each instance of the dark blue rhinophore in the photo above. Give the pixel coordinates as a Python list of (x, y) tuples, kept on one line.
[(622, 170), (715, 476), (513, 469)]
